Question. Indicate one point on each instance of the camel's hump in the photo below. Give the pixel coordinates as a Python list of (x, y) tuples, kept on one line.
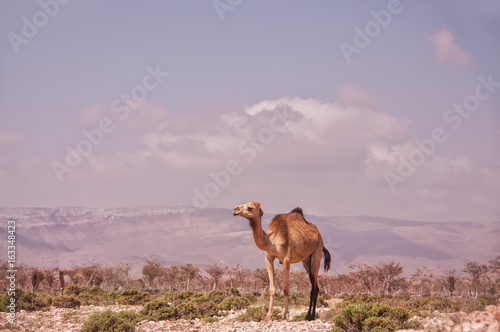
[(298, 210)]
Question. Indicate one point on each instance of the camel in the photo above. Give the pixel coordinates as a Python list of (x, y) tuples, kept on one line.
[(291, 239)]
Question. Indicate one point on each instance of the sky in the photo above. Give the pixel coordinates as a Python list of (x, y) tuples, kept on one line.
[(381, 108)]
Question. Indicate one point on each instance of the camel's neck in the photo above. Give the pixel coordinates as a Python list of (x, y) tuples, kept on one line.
[(260, 237)]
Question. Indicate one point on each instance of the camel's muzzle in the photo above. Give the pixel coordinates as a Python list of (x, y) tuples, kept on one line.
[(237, 210)]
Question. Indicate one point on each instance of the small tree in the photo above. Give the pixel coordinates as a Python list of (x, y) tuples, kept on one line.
[(92, 274), (422, 281), (171, 275), (50, 276), (61, 281), (388, 276), (494, 269), (124, 268), (475, 274), (189, 272), (216, 273), (261, 279), (365, 275), (150, 271), (449, 281), (37, 276)]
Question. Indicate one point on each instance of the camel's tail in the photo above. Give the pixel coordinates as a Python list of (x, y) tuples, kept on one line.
[(328, 259)]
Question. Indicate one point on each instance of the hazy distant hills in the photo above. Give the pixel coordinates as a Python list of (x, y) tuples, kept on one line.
[(66, 236)]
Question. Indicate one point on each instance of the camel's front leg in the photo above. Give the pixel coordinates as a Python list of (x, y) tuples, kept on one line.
[(286, 273), (272, 290)]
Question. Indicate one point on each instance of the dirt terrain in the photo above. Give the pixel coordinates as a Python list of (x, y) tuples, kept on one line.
[(66, 320)]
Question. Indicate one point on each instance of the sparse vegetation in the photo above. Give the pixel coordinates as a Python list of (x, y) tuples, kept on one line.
[(420, 295), (26, 300), (257, 314), (133, 297), (96, 283), (65, 301), (110, 321), (189, 305), (373, 316)]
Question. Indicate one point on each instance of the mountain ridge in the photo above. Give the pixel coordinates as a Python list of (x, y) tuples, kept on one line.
[(65, 236)]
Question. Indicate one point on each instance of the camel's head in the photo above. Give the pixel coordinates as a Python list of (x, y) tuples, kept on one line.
[(249, 210)]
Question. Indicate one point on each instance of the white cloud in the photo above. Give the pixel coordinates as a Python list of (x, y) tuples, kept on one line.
[(445, 48), (327, 157), (331, 122), (9, 139), (351, 95)]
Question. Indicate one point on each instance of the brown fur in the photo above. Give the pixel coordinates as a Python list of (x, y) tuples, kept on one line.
[(291, 239)]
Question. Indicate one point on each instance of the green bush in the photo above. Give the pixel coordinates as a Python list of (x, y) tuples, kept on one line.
[(188, 310), (75, 290), (208, 309), (210, 320), (109, 321), (379, 324), (190, 305), (133, 297), (91, 296), (257, 314), (440, 303), (26, 300), (297, 299), (158, 310), (372, 316), (251, 298), (322, 301), (65, 301), (216, 296), (481, 302), (300, 317), (233, 303)]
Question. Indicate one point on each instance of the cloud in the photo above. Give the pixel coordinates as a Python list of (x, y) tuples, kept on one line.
[(351, 95), (445, 48), (329, 158), (10, 139)]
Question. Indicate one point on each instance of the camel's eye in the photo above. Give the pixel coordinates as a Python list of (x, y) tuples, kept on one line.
[(249, 208)]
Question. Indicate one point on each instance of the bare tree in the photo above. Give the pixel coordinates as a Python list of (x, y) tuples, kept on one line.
[(365, 275), (189, 272), (37, 276), (61, 281), (388, 276), (261, 279), (476, 272), (124, 268), (449, 281), (216, 273), (494, 269), (422, 281), (150, 271), (242, 278), (50, 276), (92, 274), (171, 275)]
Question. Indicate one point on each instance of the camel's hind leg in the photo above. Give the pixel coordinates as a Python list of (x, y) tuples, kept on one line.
[(312, 265), (286, 274)]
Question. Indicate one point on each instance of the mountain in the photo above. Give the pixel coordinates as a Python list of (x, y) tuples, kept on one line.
[(67, 236)]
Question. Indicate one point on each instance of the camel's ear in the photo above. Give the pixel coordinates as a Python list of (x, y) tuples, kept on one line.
[(257, 205), (260, 210)]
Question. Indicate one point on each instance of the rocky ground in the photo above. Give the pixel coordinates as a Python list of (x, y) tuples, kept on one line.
[(66, 320), (487, 320)]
